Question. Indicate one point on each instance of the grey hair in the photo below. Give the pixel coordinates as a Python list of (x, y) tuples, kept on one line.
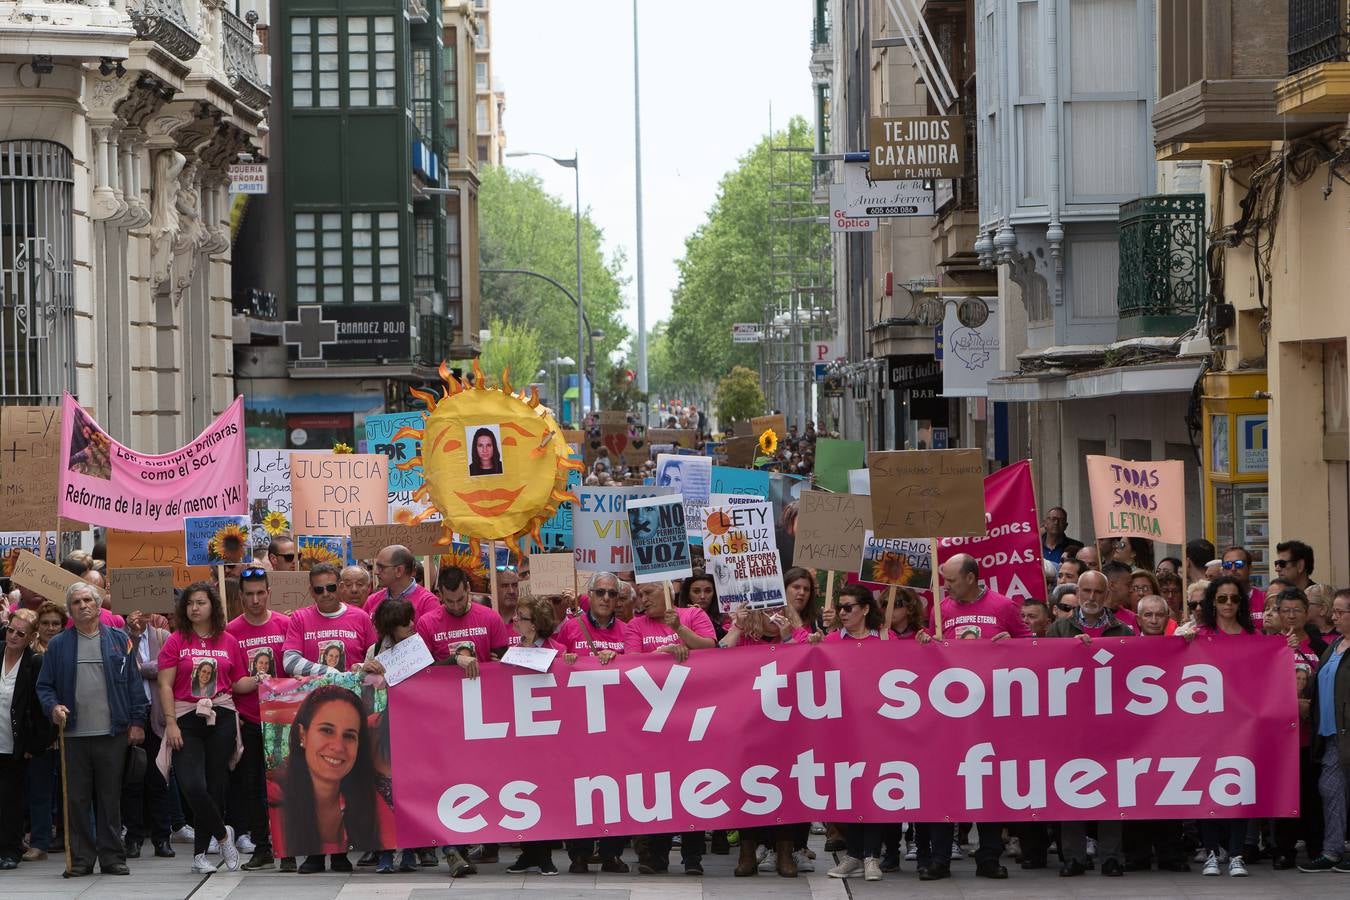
[(1063, 591), (598, 575), (362, 569), (1167, 610), (79, 586)]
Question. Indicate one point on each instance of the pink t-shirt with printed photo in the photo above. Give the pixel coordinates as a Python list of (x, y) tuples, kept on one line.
[(644, 634), (203, 667), (479, 625), (338, 641), (985, 617), (573, 638), (262, 649)]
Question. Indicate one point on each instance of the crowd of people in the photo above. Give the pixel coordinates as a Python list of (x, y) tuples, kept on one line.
[(152, 721)]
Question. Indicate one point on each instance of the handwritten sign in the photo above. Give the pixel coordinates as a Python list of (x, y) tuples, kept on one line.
[(41, 577), (269, 493), (289, 591), (537, 659), (148, 589), (927, 493), (141, 549), (332, 492), (739, 452), (1138, 499), (405, 659), (830, 530), (684, 438), (381, 437), (761, 424), (30, 445), (420, 539), (601, 536), (551, 573)]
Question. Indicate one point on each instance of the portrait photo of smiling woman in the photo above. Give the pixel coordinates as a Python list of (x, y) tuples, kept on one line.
[(484, 443), (326, 797)]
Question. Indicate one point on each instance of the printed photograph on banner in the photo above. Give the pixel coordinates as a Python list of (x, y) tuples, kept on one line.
[(314, 549), (203, 677), (899, 561), (262, 661), (326, 747), (485, 449), (740, 551), (216, 540), (691, 478), (660, 539), (90, 449)]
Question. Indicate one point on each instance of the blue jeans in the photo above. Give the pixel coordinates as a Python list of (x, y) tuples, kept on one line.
[(43, 770)]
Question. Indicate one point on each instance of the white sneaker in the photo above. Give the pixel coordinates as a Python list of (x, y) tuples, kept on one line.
[(229, 852), (1211, 865), (871, 869), (201, 865), (1200, 856), (957, 852), (848, 867), (1014, 849), (213, 848), (1237, 868), (912, 853), (804, 862), (769, 861), (1091, 848), (184, 835), (245, 843)]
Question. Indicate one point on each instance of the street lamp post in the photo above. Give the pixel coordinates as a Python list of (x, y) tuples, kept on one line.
[(574, 165)]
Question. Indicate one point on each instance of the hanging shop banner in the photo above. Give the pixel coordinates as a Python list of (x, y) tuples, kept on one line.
[(740, 549), (970, 356), (600, 541), (1009, 553), (863, 198), (1138, 499), (866, 731), (659, 539), (105, 483), (841, 222), (916, 146), (382, 437)]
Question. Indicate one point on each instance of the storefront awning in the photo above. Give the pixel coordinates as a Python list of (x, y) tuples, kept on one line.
[(570, 394), (1159, 378)]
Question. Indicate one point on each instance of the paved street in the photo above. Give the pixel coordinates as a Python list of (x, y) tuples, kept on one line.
[(154, 879)]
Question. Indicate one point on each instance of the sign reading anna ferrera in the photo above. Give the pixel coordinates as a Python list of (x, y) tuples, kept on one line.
[(916, 147)]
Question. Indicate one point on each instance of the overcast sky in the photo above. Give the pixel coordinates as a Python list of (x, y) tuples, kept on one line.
[(711, 71)]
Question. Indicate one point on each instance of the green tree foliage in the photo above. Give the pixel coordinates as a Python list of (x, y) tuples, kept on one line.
[(514, 346), (739, 397), (618, 390), (524, 227), (726, 272)]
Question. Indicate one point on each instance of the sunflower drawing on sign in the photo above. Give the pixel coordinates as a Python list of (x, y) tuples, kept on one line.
[(216, 540)]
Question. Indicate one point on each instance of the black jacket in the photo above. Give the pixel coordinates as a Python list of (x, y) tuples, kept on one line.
[(32, 731), (1341, 706)]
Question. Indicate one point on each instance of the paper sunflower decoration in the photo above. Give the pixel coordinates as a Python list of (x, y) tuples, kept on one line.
[(494, 461), (229, 543), (275, 523), (768, 442), (470, 563)]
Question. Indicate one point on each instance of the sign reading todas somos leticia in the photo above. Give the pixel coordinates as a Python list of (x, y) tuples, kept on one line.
[(866, 731), (1138, 499), (106, 483)]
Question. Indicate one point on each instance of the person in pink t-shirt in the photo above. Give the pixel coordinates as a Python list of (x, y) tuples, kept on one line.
[(329, 636), (658, 627), (459, 630), (603, 634), (201, 663), (394, 569)]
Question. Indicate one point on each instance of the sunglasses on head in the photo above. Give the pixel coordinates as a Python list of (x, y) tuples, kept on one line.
[(289, 557), (1230, 564), (324, 588)]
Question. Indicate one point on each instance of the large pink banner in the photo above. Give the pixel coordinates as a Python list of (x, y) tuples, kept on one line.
[(1139, 728), (106, 483), (1010, 552)]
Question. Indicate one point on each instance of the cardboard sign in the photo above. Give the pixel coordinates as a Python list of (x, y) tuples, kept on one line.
[(834, 459), (761, 424), (141, 549), (830, 529), (330, 493), (41, 577), (613, 426), (148, 589), (551, 573), (30, 446), (289, 591), (216, 540), (638, 449), (927, 493), (1138, 499), (369, 540), (684, 438), (740, 451)]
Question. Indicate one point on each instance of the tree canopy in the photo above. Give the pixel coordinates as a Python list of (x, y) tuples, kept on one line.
[(739, 397)]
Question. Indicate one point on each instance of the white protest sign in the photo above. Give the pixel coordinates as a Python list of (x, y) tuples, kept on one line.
[(537, 659), (405, 659), (600, 527)]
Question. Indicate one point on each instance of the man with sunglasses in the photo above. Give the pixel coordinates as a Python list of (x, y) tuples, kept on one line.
[(394, 569), (1237, 562), (261, 632), (1294, 563), (281, 554)]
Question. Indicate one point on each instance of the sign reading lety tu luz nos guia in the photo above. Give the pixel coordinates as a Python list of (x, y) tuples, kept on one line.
[(916, 147)]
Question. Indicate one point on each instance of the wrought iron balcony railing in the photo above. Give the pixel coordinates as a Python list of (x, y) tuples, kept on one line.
[(1319, 32), (241, 65), (1162, 264), (164, 22)]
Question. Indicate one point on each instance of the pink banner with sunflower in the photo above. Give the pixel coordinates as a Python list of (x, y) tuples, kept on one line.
[(106, 483)]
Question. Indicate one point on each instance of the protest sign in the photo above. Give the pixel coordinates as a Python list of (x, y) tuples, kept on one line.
[(1138, 499), (860, 482), (41, 577), (536, 659), (962, 731), (29, 470), (659, 538), (601, 536), (739, 452), (927, 493), (740, 551), (420, 539), (216, 540), (382, 437), (685, 438), (366, 814), (556, 533), (323, 549), (637, 451), (289, 590), (269, 494), (691, 478), (11, 542), (613, 433), (776, 422), (146, 589), (751, 482), (550, 574), (830, 530), (895, 561), (331, 492), (104, 483), (405, 659), (834, 460), (141, 549), (1009, 553)]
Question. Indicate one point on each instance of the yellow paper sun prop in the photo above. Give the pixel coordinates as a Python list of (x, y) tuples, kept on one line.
[(494, 462)]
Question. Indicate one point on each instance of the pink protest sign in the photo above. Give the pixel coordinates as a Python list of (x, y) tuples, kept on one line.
[(106, 483), (873, 731), (1010, 552), (1138, 499)]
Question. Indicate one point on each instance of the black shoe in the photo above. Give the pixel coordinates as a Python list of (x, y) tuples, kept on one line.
[(990, 869), (615, 865), (339, 862), (1071, 869), (78, 872), (935, 872), (260, 859), (287, 864), (133, 849), (1133, 865), (1112, 868), (115, 869), (1282, 862), (835, 845), (720, 846), (890, 862), (1174, 865), (368, 859), (311, 865), (8, 862), (546, 866), (163, 850), (426, 858), (693, 867), (1033, 863), (522, 865), (578, 867)]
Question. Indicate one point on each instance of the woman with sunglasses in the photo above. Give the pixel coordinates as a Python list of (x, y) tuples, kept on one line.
[(24, 730)]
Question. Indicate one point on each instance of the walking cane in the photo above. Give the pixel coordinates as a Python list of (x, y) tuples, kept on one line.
[(65, 800)]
